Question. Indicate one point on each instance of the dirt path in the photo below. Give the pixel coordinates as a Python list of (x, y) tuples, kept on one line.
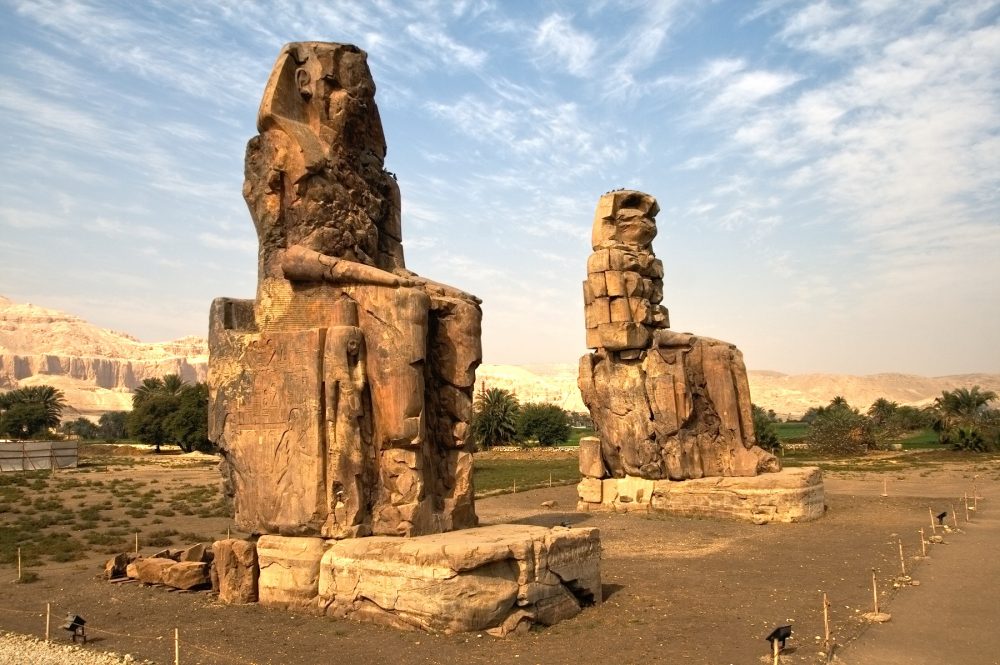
[(952, 616)]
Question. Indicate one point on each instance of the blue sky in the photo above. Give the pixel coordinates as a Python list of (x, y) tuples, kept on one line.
[(828, 172)]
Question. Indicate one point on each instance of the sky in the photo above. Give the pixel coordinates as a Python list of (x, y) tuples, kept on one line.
[(828, 172)]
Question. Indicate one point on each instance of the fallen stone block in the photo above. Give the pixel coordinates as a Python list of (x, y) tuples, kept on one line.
[(468, 580)]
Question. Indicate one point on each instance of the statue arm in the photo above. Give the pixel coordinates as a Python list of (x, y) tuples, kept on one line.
[(437, 288), (299, 263)]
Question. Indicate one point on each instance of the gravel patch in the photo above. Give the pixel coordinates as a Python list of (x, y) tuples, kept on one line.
[(22, 649)]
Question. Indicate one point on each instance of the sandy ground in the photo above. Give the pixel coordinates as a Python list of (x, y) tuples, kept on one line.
[(677, 590)]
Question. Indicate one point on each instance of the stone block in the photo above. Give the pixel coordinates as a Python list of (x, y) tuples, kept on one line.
[(598, 283), (615, 283), (623, 335), (599, 312), (289, 571), (598, 262), (196, 552), (150, 570), (236, 570), (469, 580), (635, 285), (116, 566), (790, 495), (588, 294), (187, 575), (591, 464), (620, 311), (589, 490)]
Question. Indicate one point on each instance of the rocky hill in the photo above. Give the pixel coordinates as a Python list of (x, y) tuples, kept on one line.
[(97, 370)]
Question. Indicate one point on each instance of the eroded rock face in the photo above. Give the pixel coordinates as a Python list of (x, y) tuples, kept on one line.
[(340, 396), (500, 576), (235, 571), (665, 405)]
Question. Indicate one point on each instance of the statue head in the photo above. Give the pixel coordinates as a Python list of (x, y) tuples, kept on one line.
[(625, 218), (328, 88)]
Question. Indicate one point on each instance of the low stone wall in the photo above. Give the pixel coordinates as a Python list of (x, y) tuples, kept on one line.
[(790, 495)]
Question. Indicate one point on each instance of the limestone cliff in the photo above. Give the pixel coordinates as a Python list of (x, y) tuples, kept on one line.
[(96, 368)]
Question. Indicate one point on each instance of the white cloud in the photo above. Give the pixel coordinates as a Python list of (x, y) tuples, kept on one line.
[(448, 50), (556, 37)]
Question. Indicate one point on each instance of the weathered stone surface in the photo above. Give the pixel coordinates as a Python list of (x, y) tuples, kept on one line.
[(197, 552), (473, 579), (150, 570), (289, 571), (591, 464), (235, 571), (340, 396), (590, 490), (187, 575), (790, 495), (116, 566), (665, 405)]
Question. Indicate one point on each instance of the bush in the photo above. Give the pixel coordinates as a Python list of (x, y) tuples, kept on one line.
[(545, 423), (763, 427)]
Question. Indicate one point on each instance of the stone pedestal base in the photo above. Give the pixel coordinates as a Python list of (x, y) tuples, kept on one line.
[(790, 495), (495, 577)]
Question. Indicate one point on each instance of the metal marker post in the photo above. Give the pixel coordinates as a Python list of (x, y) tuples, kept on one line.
[(902, 560), (48, 611), (933, 523), (923, 544), (177, 648)]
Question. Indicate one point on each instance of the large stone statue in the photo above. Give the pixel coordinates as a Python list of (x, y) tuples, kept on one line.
[(340, 396), (666, 405)]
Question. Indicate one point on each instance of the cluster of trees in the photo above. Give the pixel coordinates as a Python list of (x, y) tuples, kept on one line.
[(961, 418), (965, 420), (170, 410), (112, 426), (763, 427), (498, 419), (30, 412)]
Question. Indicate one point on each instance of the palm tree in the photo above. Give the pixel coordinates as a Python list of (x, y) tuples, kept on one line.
[(148, 388), (31, 410), (882, 410), (963, 403), (494, 417)]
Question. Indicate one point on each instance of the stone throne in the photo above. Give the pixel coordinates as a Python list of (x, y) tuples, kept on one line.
[(666, 406), (340, 395)]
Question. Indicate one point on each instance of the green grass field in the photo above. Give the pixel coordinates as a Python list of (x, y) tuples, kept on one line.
[(501, 474), (793, 432)]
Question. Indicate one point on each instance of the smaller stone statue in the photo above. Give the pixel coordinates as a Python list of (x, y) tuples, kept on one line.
[(666, 405)]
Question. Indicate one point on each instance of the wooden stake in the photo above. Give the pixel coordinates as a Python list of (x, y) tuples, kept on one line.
[(826, 624), (875, 590), (954, 516), (885, 488), (550, 479), (933, 521), (515, 486), (136, 542), (774, 649), (923, 544), (177, 648), (18, 564), (966, 506), (48, 610), (902, 560), (228, 535)]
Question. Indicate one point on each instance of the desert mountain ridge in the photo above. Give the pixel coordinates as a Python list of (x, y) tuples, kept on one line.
[(98, 368)]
